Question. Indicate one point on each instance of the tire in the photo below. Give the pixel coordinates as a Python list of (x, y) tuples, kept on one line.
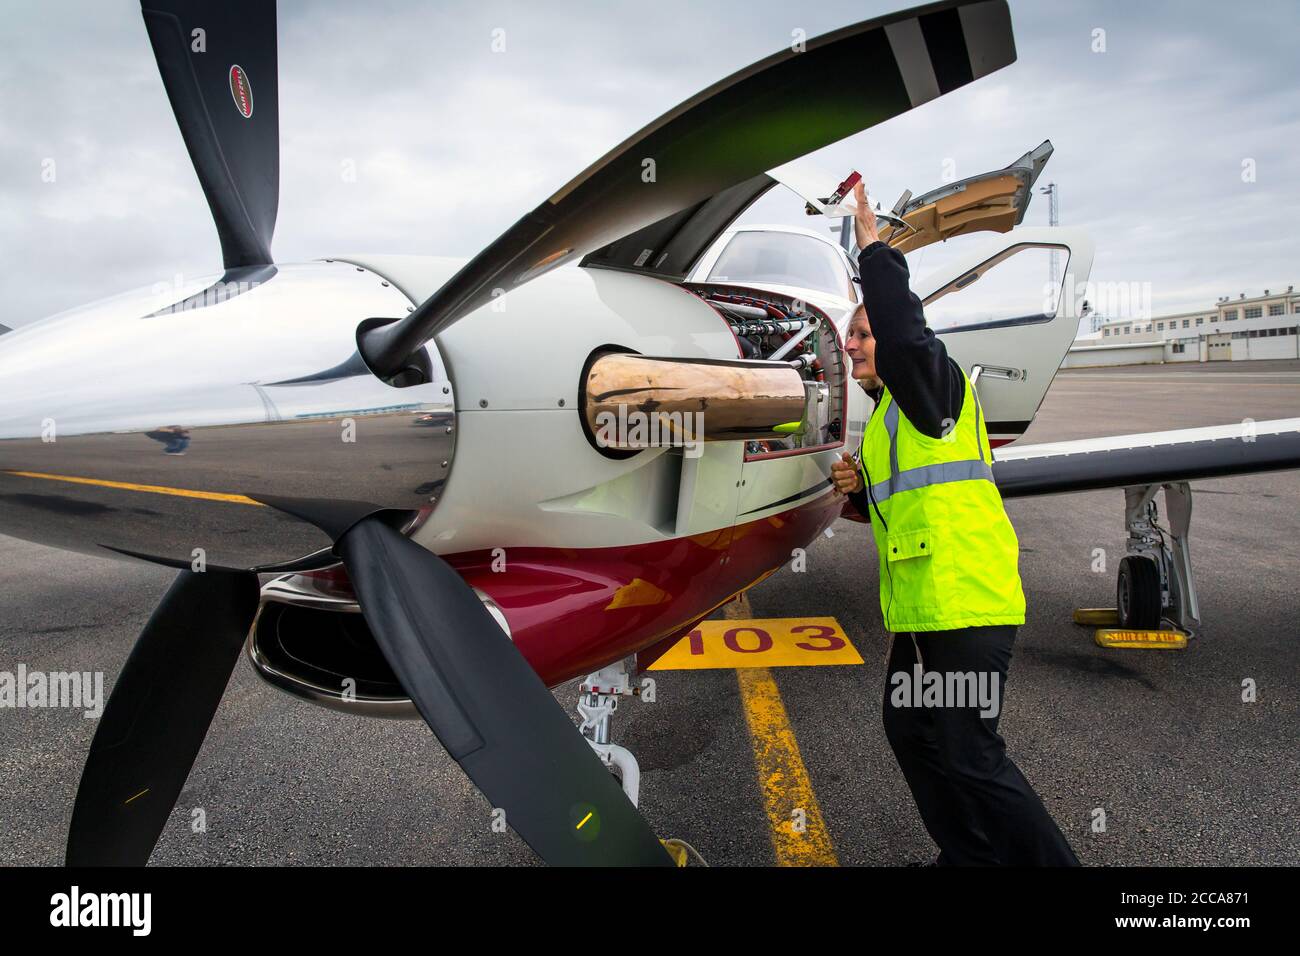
[(1137, 593)]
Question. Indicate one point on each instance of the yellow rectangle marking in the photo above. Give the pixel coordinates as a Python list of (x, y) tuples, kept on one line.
[(761, 642), (1152, 640), (151, 489)]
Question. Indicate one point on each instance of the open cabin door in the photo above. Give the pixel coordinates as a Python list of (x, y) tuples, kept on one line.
[(995, 201), (1011, 307)]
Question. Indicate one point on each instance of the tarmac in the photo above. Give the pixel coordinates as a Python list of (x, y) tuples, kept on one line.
[(1158, 744)]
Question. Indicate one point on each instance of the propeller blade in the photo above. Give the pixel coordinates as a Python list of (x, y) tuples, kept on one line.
[(766, 115), (158, 715), (218, 63), (488, 708)]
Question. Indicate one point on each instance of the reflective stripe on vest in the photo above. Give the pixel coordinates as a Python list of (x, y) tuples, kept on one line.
[(937, 474), (927, 475)]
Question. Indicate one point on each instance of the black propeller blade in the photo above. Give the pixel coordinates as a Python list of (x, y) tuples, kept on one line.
[(488, 708), (158, 715), (772, 112), (218, 62)]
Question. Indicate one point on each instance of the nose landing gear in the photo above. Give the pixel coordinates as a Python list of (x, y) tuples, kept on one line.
[(600, 693)]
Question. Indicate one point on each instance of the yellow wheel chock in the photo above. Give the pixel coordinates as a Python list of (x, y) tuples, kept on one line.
[(1097, 616), (1108, 633), (1149, 640)]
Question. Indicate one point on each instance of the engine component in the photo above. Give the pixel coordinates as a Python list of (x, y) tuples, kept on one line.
[(635, 401), (310, 640)]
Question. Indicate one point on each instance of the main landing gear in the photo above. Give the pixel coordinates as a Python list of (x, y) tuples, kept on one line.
[(1155, 578)]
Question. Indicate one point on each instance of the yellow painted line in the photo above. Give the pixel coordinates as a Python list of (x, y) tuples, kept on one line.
[(760, 642), (151, 489), (138, 795), (590, 814), (799, 834), (798, 830)]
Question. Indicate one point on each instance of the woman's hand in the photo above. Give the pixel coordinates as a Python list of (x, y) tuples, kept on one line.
[(846, 476), (864, 220)]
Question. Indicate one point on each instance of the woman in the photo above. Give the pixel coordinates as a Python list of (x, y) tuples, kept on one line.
[(950, 589)]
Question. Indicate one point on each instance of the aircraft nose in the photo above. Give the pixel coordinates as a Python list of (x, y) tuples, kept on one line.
[(155, 434)]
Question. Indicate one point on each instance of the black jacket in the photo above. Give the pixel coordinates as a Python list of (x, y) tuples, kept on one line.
[(915, 367)]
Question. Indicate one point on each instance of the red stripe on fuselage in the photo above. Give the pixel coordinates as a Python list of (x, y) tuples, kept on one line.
[(574, 610)]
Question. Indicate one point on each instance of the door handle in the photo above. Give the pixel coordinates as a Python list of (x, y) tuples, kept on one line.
[(997, 371)]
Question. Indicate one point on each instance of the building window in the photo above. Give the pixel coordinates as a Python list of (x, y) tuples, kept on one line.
[(1160, 326), (1254, 312), (1128, 329), (1230, 315), (1186, 322), (1105, 333), (1200, 320), (1277, 308)]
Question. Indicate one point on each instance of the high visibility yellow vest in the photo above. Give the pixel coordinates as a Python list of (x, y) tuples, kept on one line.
[(948, 556)]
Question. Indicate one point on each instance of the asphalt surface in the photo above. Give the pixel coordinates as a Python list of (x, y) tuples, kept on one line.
[(1185, 772)]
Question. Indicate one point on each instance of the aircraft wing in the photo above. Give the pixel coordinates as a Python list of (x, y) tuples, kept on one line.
[(1153, 458), (720, 143)]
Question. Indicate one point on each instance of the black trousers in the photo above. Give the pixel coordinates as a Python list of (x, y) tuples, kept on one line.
[(976, 804)]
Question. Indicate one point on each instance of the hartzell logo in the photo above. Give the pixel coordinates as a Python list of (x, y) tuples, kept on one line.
[(241, 90), (76, 908)]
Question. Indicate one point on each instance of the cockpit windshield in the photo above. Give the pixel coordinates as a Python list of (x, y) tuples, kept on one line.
[(754, 257)]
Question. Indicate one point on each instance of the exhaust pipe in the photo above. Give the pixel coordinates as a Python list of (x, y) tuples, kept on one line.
[(634, 401)]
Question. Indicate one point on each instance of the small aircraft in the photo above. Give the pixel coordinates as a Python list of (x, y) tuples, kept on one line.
[(669, 434)]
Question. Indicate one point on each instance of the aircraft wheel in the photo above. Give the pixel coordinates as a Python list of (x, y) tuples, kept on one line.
[(1138, 593)]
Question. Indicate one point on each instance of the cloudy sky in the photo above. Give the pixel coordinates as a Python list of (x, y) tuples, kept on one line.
[(451, 141)]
